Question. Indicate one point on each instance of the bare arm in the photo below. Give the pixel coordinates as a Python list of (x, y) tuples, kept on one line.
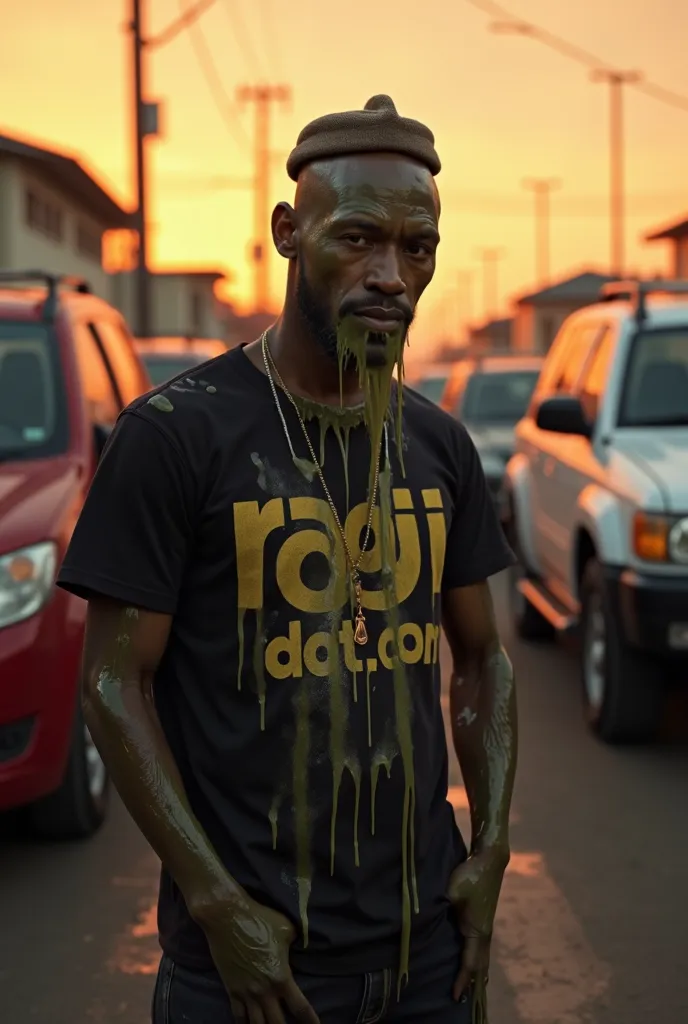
[(122, 652), (483, 713), (249, 943)]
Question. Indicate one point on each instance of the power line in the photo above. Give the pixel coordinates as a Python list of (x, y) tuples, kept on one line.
[(190, 15), (221, 98), (243, 37), (519, 26), (265, 13)]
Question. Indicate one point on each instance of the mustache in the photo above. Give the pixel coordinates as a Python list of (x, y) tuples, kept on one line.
[(353, 307)]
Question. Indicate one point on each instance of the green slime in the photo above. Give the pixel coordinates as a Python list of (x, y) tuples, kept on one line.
[(374, 412)]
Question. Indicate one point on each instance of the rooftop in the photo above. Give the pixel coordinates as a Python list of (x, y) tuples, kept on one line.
[(71, 175), (585, 285), (677, 229)]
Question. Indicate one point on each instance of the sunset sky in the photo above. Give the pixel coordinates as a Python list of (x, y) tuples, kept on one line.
[(502, 108)]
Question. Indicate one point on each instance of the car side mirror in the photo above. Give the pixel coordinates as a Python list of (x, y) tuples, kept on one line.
[(101, 433), (563, 414)]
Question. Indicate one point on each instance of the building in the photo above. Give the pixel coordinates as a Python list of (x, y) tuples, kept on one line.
[(539, 315), (677, 235), (53, 214), (183, 302), (491, 338)]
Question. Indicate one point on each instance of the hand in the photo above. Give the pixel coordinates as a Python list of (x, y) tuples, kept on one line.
[(250, 947), (474, 889)]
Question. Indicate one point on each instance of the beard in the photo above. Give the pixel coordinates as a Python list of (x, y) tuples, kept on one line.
[(325, 329)]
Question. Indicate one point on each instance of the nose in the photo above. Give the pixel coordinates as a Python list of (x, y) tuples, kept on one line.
[(383, 273)]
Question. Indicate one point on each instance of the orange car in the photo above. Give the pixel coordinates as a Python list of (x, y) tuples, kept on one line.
[(166, 358)]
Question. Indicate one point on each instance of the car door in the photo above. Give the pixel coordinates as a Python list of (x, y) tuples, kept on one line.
[(529, 439), (567, 463), (101, 400), (128, 372)]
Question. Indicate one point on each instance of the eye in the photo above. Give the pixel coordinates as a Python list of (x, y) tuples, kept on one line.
[(419, 249), (356, 239)]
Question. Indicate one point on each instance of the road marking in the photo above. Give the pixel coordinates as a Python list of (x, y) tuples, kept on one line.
[(542, 949)]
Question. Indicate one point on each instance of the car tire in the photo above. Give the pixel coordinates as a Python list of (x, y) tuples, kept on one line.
[(527, 621), (79, 807), (623, 692)]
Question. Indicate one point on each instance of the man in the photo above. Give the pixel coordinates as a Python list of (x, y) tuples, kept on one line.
[(267, 549)]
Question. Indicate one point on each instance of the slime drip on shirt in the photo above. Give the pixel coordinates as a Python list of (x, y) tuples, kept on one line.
[(376, 383)]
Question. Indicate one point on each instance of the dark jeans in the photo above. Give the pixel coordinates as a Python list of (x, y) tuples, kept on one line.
[(191, 997)]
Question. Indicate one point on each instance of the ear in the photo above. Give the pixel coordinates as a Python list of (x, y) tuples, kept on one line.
[(284, 230)]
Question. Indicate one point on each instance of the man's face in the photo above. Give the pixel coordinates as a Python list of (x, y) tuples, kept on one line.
[(366, 244)]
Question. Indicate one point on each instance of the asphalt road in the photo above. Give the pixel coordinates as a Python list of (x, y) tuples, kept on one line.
[(593, 924)]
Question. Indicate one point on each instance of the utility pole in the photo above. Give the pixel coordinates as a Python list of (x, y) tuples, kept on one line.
[(145, 125), (490, 259), (541, 189), (616, 81), (142, 279), (263, 96)]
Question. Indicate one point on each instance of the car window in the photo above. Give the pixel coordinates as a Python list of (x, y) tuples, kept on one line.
[(431, 388), (99, 394), (582, 341), (33, 400), (595, 375), (122, 358), (656, 389), (552, 367), (497, 398), (162, 367)]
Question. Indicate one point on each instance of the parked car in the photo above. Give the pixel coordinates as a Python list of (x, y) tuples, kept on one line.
[(166, 358), (598, 502), (67, 368), (430, 381), (490, 395)]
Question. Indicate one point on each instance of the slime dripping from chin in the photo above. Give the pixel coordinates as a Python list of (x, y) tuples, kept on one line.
[(376, 382), (353, 345)]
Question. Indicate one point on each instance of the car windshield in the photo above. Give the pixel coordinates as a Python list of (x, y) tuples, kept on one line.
[(499, 398), (33, 405), (168, 365), (656, 388), (431, 387)]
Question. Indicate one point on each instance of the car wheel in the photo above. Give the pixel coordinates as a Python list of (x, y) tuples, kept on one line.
[(527, 621), (79, 807), (623, 689)]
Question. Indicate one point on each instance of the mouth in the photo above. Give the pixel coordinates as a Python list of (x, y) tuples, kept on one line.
[(380, 320)]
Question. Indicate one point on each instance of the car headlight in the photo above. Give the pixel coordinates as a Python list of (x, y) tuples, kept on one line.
[(658, 538), (678, 542), (26, 581)]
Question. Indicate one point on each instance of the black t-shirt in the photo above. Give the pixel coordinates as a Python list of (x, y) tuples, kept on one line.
[(317, 767)]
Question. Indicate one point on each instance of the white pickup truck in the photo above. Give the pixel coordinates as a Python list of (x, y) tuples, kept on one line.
[(597, 502)]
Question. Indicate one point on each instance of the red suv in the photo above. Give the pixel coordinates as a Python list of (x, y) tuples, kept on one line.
[(67, 368)]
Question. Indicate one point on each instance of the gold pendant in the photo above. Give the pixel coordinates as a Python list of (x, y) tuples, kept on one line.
[(360, 631)]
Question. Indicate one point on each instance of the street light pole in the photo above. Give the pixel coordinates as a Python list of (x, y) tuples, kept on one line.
[(616, 81), (542, 189)]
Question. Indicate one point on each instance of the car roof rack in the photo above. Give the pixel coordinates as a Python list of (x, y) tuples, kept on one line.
[(51, 281), (637, 292)]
